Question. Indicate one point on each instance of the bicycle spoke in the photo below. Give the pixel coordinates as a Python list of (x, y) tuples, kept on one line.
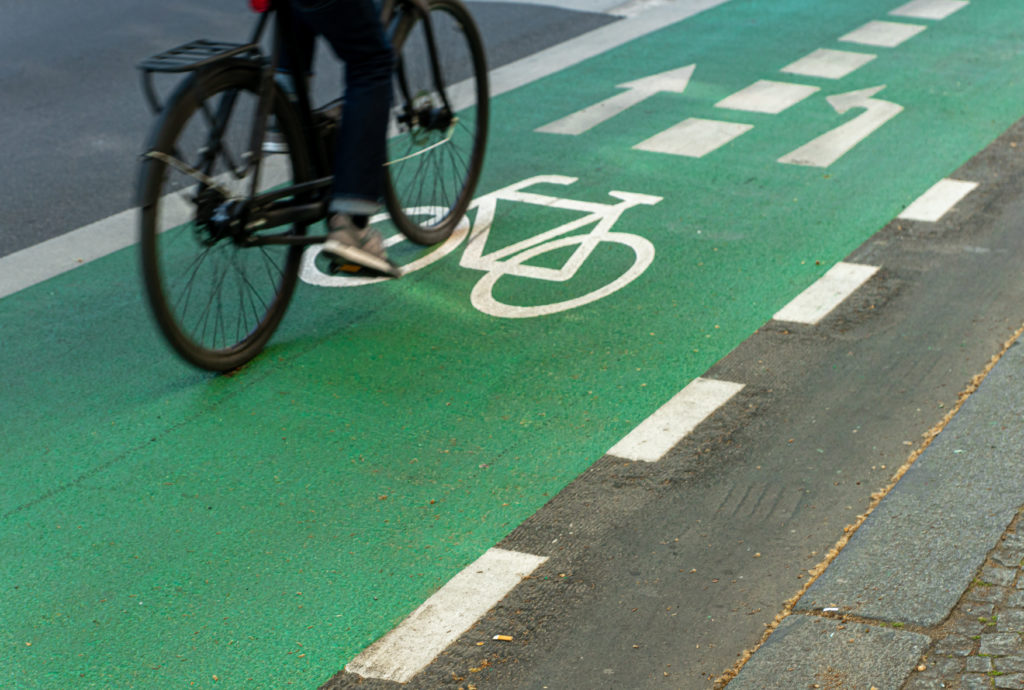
[(186, 296)]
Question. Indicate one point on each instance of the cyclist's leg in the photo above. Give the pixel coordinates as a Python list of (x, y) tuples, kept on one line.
[(297, 41), (354, 31)]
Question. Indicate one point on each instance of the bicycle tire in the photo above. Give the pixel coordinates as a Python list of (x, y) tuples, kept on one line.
[(215, 301), (435, 160)]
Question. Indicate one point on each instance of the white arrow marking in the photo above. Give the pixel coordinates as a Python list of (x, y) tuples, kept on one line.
[(673, 81), (832, 145)]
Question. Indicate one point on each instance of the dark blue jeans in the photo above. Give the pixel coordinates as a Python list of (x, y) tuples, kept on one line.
[(354, 31)]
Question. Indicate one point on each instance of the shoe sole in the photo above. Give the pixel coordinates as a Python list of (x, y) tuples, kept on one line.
[(358, 256)]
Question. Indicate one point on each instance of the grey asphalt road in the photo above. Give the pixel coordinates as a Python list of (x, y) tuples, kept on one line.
[(73, 118)]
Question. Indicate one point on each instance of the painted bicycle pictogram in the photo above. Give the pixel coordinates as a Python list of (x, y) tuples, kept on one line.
[(512, 260)]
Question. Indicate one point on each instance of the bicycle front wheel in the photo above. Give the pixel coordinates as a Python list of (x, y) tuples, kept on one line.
[(439, 119), (216, 300)]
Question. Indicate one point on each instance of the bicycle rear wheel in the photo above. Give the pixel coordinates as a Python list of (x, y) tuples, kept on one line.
[(438, 127), (216, 301)]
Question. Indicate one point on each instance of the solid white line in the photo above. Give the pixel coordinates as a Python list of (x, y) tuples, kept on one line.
[(53, 257), (657, 434), (827, 293), (938, 200), (406, 650), (586, 46)]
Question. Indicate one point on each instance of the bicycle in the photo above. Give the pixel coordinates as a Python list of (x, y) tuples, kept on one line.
[(223, 224)]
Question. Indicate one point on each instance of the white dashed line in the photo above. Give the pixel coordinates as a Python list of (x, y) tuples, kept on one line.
[(656, 435), (883, 34), (829, 64), (441, 619), (694, 137), (937, 201), (929, 9), (827, 293), (766, 96)]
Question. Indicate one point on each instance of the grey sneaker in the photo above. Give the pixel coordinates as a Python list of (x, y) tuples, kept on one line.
[(361, 246)]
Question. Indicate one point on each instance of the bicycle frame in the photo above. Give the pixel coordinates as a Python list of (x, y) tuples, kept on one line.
[(301, 204)]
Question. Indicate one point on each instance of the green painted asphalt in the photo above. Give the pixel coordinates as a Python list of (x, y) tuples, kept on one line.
[(167, 528)]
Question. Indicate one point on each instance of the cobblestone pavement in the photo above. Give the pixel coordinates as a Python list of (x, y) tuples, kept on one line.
[(981, 644)]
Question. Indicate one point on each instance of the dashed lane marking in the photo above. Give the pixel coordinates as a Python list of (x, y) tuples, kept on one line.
[(766, 96), (826, 293), (694, 137), (441, 619), (829, 64), (929, 9), (938, 200), (657, 434), (883, 34)]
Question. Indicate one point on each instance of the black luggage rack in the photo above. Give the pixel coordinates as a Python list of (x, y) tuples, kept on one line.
[(186, 58)]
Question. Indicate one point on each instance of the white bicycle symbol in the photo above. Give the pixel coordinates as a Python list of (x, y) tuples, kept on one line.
[(511, 260)]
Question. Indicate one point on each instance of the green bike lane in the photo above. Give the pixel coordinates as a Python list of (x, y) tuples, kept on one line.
[(165, 528)]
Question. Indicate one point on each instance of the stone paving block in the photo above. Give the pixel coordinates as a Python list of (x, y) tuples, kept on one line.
[(978, 609), (998, 576), (978, 664), (946, 667), (808, 650), (1010, 620), (1013, 681), (954, 645), (976, 683), (968, 627), (991, 595), (1001, 644), (1009, 664), (1008, 557)]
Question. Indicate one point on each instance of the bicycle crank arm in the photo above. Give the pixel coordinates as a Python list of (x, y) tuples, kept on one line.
[(283, 239), (284, 214)]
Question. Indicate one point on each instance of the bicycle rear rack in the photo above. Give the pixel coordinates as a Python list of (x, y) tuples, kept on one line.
[(189, 57), (194, 55)]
